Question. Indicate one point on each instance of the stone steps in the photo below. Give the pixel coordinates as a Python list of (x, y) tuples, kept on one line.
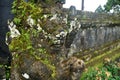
[(111, 52)]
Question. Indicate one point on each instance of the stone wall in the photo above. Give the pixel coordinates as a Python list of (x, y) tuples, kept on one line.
[(87, 16), (94, 37), (90, 30)]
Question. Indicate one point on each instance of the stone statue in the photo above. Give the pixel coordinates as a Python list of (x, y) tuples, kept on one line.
[(72, 12), (70, 69)]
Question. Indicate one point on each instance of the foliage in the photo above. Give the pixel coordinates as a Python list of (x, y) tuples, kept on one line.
[(112, 5), (22, 10), (22, 42), (30, 36), (110, 71), (30, 16), (32, 40)]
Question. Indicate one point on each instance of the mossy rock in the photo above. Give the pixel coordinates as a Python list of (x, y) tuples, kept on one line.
[(26, 64)]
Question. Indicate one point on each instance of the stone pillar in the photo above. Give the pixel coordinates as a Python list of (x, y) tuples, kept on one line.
[(82, 7), (5, 14)]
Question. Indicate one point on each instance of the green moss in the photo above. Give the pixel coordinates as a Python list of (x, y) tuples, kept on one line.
[(21, 43), (112, 54), (45, 58), (48, 63)]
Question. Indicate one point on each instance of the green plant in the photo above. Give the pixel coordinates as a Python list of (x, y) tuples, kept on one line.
[(114, 69), (30, 38), (112, 5), (110, 71), (21, 43), (22, 10)]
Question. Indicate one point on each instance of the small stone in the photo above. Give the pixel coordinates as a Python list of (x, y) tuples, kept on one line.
[(25, 75)]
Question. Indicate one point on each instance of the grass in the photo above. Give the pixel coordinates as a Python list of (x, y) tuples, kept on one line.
[(109, 50), (112, 54), (97, 61)]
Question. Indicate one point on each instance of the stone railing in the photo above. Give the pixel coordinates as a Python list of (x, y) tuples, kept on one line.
[(92, 29)]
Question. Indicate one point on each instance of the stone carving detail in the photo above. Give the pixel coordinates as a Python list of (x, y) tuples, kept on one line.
[(70, 69)]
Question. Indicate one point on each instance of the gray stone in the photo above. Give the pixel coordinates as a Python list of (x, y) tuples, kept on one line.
[(26, 67), (70, 69), (92, 38)]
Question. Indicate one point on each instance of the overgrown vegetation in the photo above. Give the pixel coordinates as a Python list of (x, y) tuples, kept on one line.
[(111, 5), (109, 71), (27, 40), (28, 18), (22, 10), (97, 70), (32, 20)]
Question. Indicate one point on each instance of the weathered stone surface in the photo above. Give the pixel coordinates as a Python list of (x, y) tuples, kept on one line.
[(82, 35), (70, 69), (86, 30), (26, 67), (92, 38)]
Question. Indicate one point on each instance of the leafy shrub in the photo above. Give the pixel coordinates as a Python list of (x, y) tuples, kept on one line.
[(21, 43), (22, 10), (109, 71)]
